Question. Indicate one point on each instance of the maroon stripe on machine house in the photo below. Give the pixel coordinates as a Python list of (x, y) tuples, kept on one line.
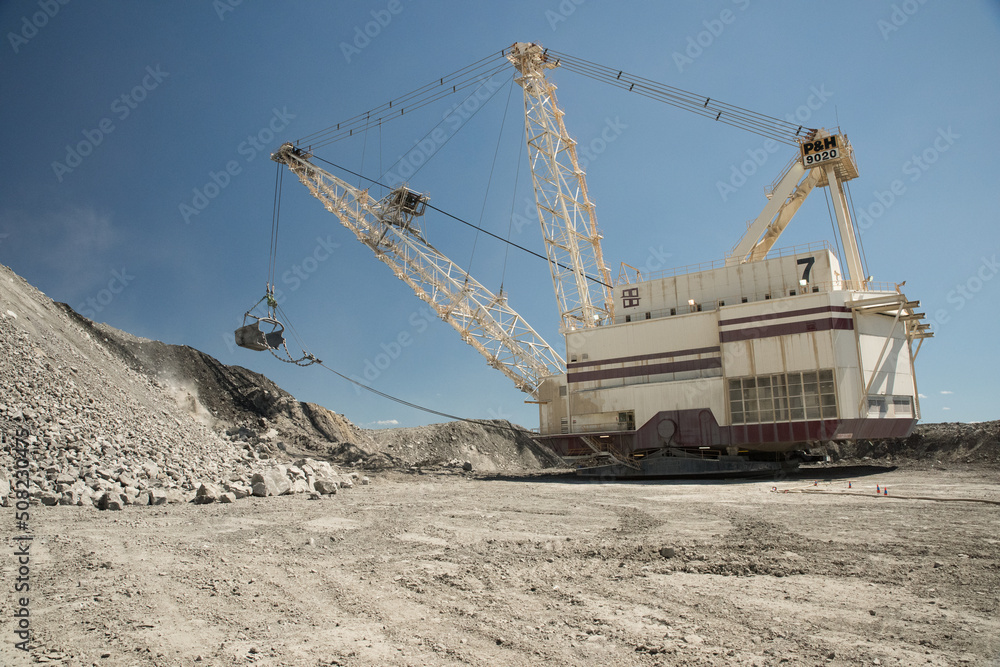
[(790, 313), (649, 369), (786, 329), (644, 357)]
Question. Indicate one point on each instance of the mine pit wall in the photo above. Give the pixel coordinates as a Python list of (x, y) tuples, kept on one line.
[(709, 368)]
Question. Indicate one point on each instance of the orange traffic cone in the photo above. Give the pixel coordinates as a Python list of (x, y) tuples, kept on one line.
[(878, 489)]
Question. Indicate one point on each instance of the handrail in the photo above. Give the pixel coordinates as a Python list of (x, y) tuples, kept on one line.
[(721, 263)]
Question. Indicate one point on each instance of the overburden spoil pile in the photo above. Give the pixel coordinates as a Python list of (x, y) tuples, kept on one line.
[(947, 443), (112, 419)]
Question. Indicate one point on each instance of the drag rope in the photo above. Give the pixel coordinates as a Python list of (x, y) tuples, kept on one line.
[(509, 427)]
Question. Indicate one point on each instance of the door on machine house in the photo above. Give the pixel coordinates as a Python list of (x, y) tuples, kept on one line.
[(626, 420)]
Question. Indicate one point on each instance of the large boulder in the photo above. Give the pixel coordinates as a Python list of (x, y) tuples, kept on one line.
[(110, 500), (270, 482), (207, 493)]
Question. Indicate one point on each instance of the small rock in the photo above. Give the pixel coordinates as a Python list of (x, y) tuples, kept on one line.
[(693, 639), (467, 466), (668, 552), (228, 497), (325, 486)]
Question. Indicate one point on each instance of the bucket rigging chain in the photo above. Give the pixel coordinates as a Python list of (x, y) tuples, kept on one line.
[(267, 332)]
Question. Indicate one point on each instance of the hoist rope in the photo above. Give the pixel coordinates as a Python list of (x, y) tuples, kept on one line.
[(273, 251), (272, 306)]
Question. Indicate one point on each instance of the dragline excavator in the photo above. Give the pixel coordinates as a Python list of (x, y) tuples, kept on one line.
[(732, 367)]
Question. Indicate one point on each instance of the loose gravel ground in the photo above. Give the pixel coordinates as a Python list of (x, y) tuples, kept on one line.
[(451, 568)]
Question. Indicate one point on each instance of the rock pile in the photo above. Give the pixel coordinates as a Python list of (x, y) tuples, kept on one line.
[(111, 415), (102, 433)]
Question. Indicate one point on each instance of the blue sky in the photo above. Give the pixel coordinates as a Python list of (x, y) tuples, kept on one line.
[(166, 98)]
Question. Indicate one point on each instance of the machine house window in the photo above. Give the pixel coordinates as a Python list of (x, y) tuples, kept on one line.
[(783, 397)]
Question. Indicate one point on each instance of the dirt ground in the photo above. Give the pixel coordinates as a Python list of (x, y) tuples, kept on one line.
[(449, 568)]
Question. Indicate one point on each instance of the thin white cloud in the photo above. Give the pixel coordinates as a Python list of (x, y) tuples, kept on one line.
[(947, 392), (75, 243), (946, 408), (384, 422), (922, 395)]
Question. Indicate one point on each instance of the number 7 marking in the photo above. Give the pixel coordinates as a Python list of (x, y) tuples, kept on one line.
[(808, 261)]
